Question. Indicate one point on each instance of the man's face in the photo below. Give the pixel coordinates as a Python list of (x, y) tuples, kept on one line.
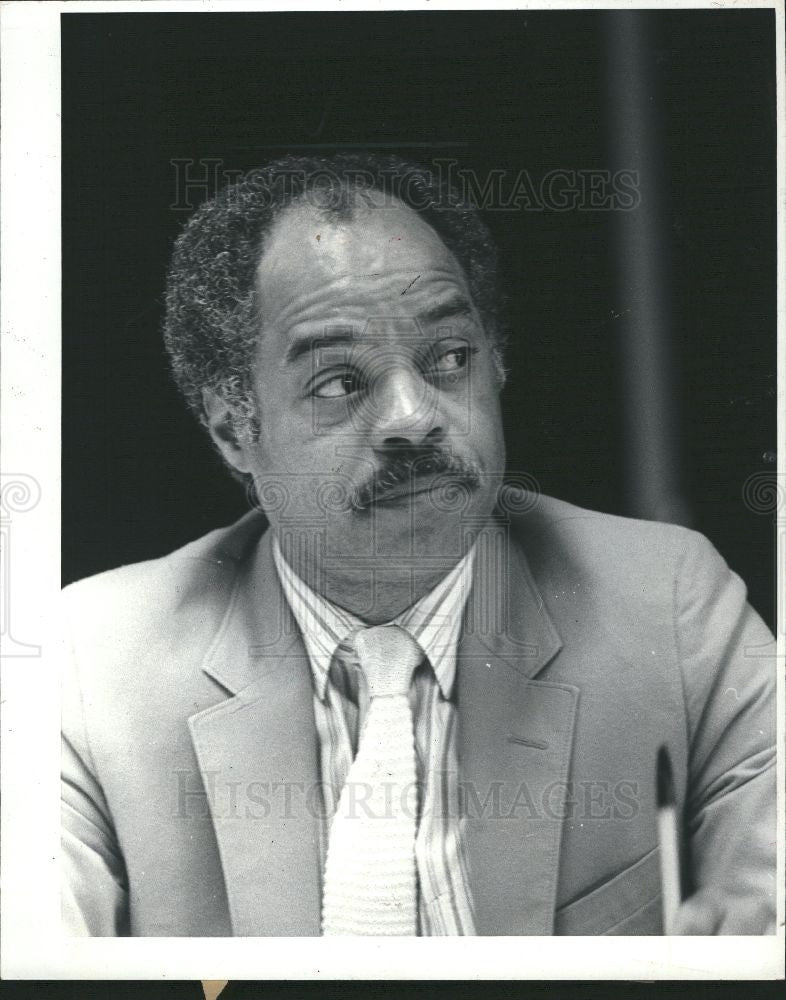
[(376, 390)]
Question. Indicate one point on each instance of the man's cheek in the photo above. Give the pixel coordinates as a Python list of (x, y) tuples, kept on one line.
[(487, 440)]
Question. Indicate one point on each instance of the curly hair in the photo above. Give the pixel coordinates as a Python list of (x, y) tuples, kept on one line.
[(213, 313)]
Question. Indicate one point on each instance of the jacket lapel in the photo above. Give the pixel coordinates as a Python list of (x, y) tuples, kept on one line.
[(515, 736), (257, 753)]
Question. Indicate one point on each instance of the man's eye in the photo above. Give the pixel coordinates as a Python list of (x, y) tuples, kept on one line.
[(451, 361), (343, 384)]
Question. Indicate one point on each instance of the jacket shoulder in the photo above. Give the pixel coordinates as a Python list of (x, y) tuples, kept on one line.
[(541, 512), (136, 598), (622, 554)]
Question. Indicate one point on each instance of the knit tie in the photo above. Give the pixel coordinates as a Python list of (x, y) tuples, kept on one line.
[(370, 873)]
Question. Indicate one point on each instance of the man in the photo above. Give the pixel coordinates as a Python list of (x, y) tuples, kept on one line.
[(409, 699)]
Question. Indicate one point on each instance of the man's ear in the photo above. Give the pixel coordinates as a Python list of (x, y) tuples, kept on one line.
[(220, 421)]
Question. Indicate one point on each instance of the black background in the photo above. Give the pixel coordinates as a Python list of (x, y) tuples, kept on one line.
[(496, 90)]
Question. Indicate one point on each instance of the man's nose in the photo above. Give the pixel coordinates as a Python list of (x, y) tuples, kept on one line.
[(401, 407)]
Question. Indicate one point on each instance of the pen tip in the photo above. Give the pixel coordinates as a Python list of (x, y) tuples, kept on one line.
[(665, 780)]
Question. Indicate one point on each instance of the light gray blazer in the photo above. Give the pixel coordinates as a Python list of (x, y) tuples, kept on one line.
[(190, 767)]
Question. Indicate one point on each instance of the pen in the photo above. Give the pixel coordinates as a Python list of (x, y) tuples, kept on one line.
[(669, 841)]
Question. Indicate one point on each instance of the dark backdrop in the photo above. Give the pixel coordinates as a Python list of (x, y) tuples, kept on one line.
[(497, 91)]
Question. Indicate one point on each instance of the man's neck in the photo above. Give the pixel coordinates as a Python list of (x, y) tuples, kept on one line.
[(375, 594), (379, 600)]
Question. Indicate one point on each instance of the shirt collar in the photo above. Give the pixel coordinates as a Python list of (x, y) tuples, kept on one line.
[(434, 621)]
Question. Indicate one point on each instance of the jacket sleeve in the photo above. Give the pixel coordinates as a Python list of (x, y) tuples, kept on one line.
[(728, 663), (93, 882)]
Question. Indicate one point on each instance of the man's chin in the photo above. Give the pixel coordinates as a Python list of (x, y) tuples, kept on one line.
[(412, 526)]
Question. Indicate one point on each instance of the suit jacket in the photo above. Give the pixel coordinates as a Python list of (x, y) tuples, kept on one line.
[(190, 764)]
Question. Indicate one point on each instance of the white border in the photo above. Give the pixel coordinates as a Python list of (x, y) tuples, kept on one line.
[(32, 946)]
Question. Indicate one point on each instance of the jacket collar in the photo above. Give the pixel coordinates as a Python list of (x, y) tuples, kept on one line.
[(506, 617), (257, 625)]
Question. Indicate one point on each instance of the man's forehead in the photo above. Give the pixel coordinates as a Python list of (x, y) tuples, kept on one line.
[(310, 245)]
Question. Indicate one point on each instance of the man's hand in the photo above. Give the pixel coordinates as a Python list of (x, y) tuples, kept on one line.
[(710, 912)]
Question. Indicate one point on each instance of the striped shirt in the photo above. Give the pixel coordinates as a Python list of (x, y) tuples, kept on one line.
[(340, 706)]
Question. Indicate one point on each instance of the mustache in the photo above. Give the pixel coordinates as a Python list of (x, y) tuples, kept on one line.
[(405, 467)]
